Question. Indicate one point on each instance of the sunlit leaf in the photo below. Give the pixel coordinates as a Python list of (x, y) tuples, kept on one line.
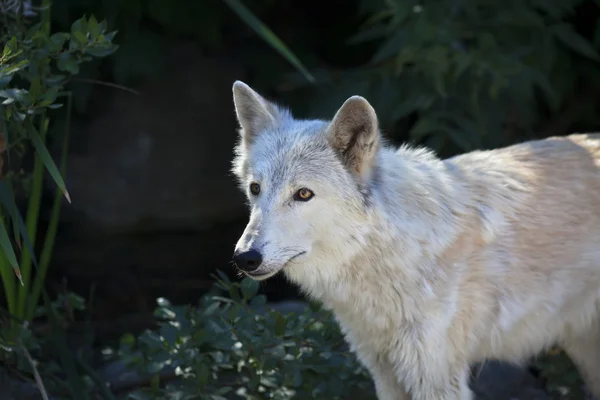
[(48, 162)]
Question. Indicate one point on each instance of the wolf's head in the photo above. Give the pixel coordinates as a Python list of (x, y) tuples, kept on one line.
[(307, 183)]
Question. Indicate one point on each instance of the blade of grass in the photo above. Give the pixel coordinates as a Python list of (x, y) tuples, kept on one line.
[(8, 281), (7, 198), (268, 36), (50, 236), (9, 251), (42, 151), (15, 216), (8, 201)]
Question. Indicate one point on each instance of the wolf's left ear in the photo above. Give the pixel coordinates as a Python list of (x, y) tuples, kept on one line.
[(354, 134), (254, 113)]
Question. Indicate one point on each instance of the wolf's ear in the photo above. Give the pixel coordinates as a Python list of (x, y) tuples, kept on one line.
[(354, 134), (254, 113)]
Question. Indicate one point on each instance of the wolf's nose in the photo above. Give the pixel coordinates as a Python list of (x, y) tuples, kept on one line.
[(248, 261)]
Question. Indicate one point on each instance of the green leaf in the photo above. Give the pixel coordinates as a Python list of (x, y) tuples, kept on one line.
[(35, 89), (280, 324), (297, 378), (80, 38), (48, 162), (9, 251), (7, 50), (59, 38), (567, 35), (11, 69), (258, 301), (7, 198), (249, 288), (127, 340), (263, 31), (12, 46), (101, 49), (4, 80), (80, 26), (314, 306), (203, 375), (32, 33), (68, 64), (93, 27)]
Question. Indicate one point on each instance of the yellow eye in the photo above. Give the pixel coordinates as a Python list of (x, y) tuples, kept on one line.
[(304, 194), (254, 188)]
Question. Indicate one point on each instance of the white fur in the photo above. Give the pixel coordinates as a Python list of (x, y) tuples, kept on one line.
[(430, 265)]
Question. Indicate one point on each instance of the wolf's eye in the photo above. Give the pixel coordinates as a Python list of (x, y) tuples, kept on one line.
[(303, 194), (254, 188)]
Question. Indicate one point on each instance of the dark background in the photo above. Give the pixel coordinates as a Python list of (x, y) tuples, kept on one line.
[(155, 209)]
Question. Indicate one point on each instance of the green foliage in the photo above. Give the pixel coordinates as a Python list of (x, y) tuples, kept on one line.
[(466, 75), (232, 346), (228, 345), (67, 373), (35, 66)]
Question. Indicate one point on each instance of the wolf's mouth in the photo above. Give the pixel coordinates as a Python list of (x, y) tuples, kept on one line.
[(270, 273)]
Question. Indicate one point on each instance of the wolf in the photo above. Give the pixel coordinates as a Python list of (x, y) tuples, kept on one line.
[(429, 265)]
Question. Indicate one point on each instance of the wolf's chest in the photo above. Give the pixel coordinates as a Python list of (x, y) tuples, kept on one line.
[(369, 325)]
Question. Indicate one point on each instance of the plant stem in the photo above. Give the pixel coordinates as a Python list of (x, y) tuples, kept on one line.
[(46, 16), (33, 211), (46, 254)]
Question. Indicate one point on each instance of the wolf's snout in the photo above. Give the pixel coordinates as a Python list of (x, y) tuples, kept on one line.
[(248, 261)]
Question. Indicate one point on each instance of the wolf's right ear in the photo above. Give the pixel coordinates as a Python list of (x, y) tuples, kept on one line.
[(354, 135), (254, 113)]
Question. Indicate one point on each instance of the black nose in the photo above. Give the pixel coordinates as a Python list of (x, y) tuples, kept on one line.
[(248, 261)]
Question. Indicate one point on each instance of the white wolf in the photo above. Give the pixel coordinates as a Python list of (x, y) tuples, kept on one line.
[(429, 265)]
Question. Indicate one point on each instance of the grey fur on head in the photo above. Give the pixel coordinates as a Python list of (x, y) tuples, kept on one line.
[(254, 113), (354, 134)]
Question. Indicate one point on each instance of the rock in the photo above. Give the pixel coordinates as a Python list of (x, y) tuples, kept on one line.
[(496, 380), (14, 389), (160, 160)]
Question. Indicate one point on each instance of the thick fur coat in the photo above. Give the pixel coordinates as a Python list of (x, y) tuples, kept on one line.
[(429, 265)]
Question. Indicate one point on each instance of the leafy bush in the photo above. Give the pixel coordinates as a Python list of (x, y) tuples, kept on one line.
[(35, 66), (464, 75), (229, 346)]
